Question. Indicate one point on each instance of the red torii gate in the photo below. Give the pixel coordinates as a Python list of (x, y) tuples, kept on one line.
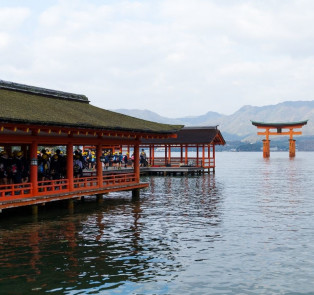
[(279, 126)]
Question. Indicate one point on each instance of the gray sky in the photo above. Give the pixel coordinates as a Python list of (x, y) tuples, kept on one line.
[(174, 57)]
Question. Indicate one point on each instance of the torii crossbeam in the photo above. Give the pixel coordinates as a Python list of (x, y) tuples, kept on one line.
[(290, 126)]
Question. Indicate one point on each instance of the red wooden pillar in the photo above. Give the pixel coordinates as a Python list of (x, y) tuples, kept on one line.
[(137, 162), (181, 153), (166, 153), (266, 148), (70, 165), (186, 154), (291, 148), (169, 154), (214, 157), (34, 167), (208, 154), (99, 164), (197, 151), (203, 156), (153, 155), (150, 155)]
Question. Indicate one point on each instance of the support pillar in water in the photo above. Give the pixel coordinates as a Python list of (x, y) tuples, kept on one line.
[(99, 198), (35, 210), (136, 194), (71, 205), (291, 148), (266, 148)]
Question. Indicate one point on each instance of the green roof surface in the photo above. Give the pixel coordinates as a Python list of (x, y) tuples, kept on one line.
[(35, 106)]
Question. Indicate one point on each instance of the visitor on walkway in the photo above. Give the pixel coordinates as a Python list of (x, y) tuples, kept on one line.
[(143, 162), (77, 165)]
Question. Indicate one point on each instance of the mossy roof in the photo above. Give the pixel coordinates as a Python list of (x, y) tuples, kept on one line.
[(37, 106)]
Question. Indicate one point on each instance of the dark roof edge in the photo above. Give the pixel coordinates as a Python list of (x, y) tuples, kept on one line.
[(42, 91), (116, 128), (279, 124), (200, 127)]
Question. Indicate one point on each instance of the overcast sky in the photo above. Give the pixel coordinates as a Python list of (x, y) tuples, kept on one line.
[(174, 57)]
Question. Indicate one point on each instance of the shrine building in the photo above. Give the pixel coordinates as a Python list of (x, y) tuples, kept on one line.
[(33, 117), (192, 149)]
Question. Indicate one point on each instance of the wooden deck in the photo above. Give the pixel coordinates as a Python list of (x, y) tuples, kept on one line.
[(18, 195), (161, 170), (172, 170), (12, 203)]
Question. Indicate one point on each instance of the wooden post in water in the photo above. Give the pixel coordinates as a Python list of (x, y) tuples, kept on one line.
[(35, 210), (266, 148), (100, 198), (71, 206), (291, 148), (135, 194)]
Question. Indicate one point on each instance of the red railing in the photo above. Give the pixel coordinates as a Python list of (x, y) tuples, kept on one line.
[(118, 179), (192, 161), (59, 186), (48, 187), (85, 183), (15, 191)]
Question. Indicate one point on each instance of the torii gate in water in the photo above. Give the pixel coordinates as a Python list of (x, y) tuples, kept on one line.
[(279, 127)]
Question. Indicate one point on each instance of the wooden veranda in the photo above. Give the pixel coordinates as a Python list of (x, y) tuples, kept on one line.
[(33, 117)]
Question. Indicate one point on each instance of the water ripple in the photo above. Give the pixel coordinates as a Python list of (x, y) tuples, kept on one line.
[(248, 229)]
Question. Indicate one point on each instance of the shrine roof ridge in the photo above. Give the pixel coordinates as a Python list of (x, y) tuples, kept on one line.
[(279, 124), (42, 91)]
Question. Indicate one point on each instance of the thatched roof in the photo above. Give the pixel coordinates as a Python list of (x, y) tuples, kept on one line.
[(40, 106)]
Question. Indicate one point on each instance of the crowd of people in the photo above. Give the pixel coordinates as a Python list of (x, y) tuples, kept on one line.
[(15, 168)]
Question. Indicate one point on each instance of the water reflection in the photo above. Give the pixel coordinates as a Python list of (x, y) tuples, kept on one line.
[(114, 244)]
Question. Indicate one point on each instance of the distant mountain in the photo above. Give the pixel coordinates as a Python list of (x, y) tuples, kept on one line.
[(238, 125), (187, 121)]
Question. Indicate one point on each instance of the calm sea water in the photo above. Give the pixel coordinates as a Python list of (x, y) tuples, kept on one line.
[(248, 229)]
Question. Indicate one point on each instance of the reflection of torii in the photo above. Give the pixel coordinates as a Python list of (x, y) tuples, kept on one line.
[(279, 126)]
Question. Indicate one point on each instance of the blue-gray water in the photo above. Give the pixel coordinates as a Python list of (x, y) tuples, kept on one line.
[(248, 229)]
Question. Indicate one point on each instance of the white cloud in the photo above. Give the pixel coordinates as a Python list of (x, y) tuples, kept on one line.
[(12, 18), (174, 57)]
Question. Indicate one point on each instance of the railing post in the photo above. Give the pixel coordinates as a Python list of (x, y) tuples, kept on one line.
[(70, 166)]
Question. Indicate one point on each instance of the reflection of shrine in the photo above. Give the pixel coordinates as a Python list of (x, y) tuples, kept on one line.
[(279, 127), (108, 245), (75, 251)]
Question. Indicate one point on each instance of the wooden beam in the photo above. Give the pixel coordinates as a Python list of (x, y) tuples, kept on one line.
[(56, 140), (282, 133)]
